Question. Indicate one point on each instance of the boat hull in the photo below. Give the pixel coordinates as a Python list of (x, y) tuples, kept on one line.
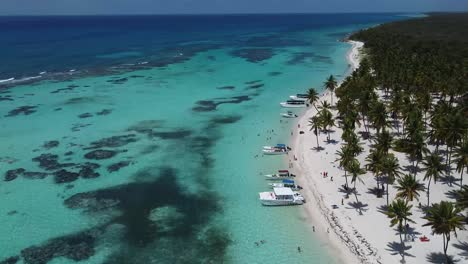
[(286, 105), (281, 202)]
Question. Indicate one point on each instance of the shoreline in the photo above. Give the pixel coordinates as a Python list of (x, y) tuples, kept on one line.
[(329, 231)]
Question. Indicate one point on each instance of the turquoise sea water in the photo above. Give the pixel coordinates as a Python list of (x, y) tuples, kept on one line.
[(180, 181)]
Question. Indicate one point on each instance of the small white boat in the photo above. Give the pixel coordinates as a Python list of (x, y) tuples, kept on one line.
[(281, 196), (288, 115), (287, 183), (275, 151), (293, 104), (282, 174), (278, 146), (299, 97)]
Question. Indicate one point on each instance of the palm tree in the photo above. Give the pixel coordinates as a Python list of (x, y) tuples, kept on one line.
[(331, 84), (433, 167), (324, 105), (399, 211), (327, 121), (314, 123), (374, 164), (378, 116), (417, 149), (383, 142), (461, 159), (390, 168), (354, 168), (312, 97), (456, 127), (344, 158), (462, 197), (444, 218), (408, 188)]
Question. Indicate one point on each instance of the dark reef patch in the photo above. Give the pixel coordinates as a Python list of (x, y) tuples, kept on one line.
[(228, 87), (211, 57), (136, 76), (51, 144), (113, 142), (5, 98), (274, 73), (58, 109), (253, 82), (10, 260), (137, 200), (85, 115), (149, 149), (118, 81), (274, 40), (77, 127), (256, 86), (117, 166), (13, 174), (302, 57), (64, 176), (177, 134), (35, 175), (225, 119), (100, 154), (254, 55), (87, 170), (25, 110), (104, 112), (80, 100), (49, 162), (76, 247), (211, 105)]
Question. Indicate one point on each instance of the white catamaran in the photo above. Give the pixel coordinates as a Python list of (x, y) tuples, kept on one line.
[(299, 97), (281, 196), (293, 103), (286, 183)]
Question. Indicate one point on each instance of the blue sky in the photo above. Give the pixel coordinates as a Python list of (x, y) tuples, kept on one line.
[(63, 7)]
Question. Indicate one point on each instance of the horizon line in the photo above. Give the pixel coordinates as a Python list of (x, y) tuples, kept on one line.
[(234, 14)]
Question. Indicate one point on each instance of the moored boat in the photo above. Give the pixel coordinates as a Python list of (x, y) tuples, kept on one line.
[(275, 151), (286, 183), (293, 103), (299, 97), (289, 114), (282, 174), (281, 196)]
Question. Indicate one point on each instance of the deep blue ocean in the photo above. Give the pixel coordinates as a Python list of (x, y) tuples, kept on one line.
[(137, 139)]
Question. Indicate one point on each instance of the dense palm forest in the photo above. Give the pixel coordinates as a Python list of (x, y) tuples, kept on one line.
[(410, 95)]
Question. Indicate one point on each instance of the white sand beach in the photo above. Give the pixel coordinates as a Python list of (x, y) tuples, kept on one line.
[(366, 237)]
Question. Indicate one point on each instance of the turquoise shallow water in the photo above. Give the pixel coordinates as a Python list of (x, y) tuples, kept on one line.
[(182, 182)]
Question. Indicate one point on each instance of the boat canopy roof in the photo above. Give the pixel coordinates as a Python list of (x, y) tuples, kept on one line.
[(281, 145), (288, 181), (283, 171), (283, 191), (301, 95)]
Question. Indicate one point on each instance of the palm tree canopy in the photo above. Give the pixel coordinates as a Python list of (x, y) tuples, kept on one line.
[(461, 156), (462, 197), (331, 83), (383, 142), (399, 211), (444, 218), (408, 188), (433, 166), (390, 167), (312, 96), (374, 162), (354, 168)]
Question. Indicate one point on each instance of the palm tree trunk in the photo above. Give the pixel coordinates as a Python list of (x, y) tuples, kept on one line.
[(346, 177), (387, 190), (318, 147), (461, 177), (416, 168), (428, 185), (449, 168), (331, 97)]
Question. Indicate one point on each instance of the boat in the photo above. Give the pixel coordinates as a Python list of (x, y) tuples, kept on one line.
[(289, 114), (282, 174), (275, 151), (286, 183), (299, 97), (281, 196), (293, 103), (278, 146)]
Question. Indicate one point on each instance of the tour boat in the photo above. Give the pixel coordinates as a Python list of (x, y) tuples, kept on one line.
[(299, 97), (293, 103), (289, 114), (282, 174), (287, 183), (278, 146), (281, 196)]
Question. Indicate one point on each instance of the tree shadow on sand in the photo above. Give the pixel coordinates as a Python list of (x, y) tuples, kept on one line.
[(378, 192), (359, 206), (382, 209), (400, 249), (463, 246), (439, 258), (318, 148)]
